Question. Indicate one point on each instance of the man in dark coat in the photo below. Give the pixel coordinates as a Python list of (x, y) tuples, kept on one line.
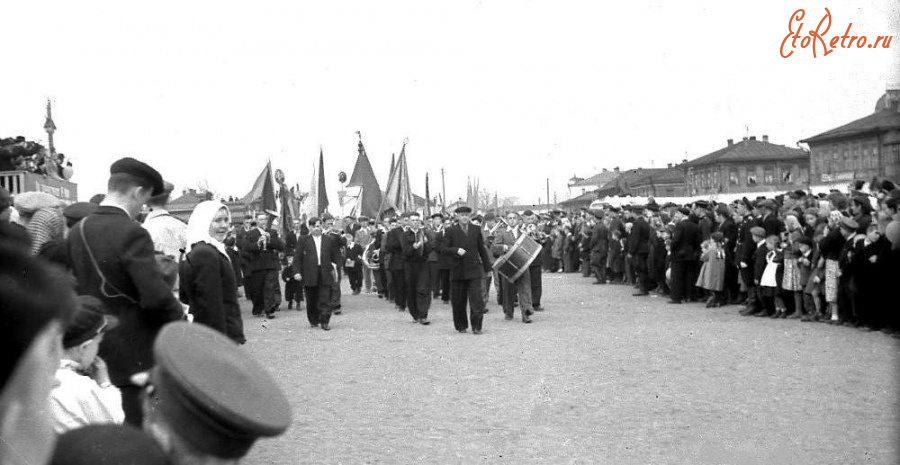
[(537, 284), (464, 243), (599, 246), (729, 230), (290, 241), (244, 262), (394, 247), (315, 260), (263, 244), (685, 254), (416, 249), (638, 249), (332, 229), (112, 259)]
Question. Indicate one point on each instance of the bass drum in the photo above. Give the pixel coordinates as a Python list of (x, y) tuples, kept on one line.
[(517, 260), (372, 258)]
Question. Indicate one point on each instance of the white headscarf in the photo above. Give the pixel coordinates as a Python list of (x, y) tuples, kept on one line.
[(201, 219)]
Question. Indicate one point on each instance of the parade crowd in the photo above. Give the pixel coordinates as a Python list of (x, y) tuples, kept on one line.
[(127, 304)]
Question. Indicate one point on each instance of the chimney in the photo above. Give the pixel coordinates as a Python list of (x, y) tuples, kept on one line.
[(669, 165), (616, 169), (745, 139), (765, 138), (605, 170), (684, 161), (730, 142), (752, 137)]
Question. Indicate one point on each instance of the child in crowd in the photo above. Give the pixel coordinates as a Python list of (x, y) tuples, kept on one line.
[(791, 279), (806, 298), (712, 273), (353, 264), (768, 276), (752, 266), (84, 394), (293, 291), (616, 260)]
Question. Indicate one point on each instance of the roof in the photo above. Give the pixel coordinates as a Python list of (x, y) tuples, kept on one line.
[(628, 178), (667, 175), (881, 121), (749, 150), (598, 179), (189, 198), (587, 197)]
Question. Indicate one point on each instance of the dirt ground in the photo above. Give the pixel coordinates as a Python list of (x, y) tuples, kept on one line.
[(600, 377)]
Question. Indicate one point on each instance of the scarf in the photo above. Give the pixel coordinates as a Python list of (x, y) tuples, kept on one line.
[(201, 219)]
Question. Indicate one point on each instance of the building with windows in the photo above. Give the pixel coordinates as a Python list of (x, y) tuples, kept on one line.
[(748, 166), (578, 187), (862, 149), (668, 182)]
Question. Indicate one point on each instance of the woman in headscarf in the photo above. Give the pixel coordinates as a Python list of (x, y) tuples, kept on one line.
[(208, 284)]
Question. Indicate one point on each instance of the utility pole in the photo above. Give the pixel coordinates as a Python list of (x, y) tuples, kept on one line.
[(548, 193), (444, 191)]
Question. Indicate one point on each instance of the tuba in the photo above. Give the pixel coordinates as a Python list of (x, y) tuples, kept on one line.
[(372, 257)]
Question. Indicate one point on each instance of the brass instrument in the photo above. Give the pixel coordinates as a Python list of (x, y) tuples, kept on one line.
[(372, 257), (532, 231)]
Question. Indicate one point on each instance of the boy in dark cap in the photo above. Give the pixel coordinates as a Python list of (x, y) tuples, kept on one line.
[(84, 394), (112, 259), (208, 400)]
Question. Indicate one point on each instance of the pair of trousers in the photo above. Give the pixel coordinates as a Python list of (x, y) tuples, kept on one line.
[(367, 278), (398, 291), (537, 285), (639, 264), (522, 288), (586, 267), (486, 288), (467, 290), (335, 300), (265, 291), (318, 311), (682, 285), (354, 275), (418, 289), (753, 301), (444, 283)]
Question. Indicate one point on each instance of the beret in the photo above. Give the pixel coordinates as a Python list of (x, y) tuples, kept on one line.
[(464, 209), (437, 215), (758, 231), (102, 444), (30, 202), (79, 210), (213, 393), (804, 240), (139, 170), (88, 321), (528, 213), (849, 223)]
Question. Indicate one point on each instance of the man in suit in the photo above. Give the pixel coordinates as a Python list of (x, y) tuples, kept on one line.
[(442, 280), (263, 244), (315, 262), (685, 253), (433, 233), (394, 247), (416, 249), (464, 244), (333, 230), (503, 241), (113, 260), (639, 249), (537, 284)]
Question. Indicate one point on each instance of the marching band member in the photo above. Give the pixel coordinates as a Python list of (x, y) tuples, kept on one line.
[(465, 245), (503, 241), (416, 249), (537, 288)]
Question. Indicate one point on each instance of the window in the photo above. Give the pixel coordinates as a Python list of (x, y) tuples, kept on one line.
[(733, 177), (751, 179), (787, 176), (769, 175)]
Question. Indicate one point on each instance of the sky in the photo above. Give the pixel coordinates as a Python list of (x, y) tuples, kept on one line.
[(514, 93)]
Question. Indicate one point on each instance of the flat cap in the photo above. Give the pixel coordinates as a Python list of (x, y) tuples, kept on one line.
[(528, 213), (213, 394), (79, 210), (30, 202), (139, 170), (107, 444), (362, 219), (463, 209), (849, 223), (437, 215), (758, 231), (702, 203)]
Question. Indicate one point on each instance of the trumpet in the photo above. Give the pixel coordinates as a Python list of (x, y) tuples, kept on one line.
[(536, 234)]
